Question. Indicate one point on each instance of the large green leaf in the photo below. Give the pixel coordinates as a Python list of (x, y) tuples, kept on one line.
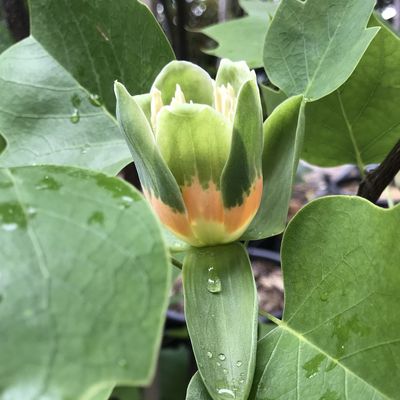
[(283, 137), (313, 46), (221, 315), (340, 335), (359, 123), (242, 39), (99, 41), (39, 118), (84, 281), (57, 86)]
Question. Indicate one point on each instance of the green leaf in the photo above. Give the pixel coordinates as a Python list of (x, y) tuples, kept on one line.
[(152, 168), (271, 98), (196, 389), (83, 287), (242, 39), (359, 123), (313, 46), (47, 117), (126, 393), (283, 137), (221, 315), (57, 86), (99, 42), (340, 335)]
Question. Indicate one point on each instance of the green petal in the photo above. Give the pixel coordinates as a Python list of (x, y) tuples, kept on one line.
[(244, 163), (153, 172), (234, 73), (144, 102), (283, 137), (194, 140), (196, 84)]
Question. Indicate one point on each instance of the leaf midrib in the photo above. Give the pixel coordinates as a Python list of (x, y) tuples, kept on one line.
[(302, 338), (331, 40)]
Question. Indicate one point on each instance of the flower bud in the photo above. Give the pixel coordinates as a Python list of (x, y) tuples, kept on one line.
[(197, 144)]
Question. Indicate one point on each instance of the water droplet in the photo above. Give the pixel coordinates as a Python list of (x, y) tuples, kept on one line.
[(126, 201), (312, 366), (213, 282), (48, 183), (218, 364), (324, 296), (85, 149), (225, 371), (10, 227), (122, 362), (76, 100), (332, 365), (31, 211), (96, 217), (12, 216), (75, 116), (95, 100), (239, 363), (209, 354), (222, 357), (226, 393)]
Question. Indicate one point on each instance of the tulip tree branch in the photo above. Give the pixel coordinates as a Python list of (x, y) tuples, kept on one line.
[(376, 181), (16, 15)]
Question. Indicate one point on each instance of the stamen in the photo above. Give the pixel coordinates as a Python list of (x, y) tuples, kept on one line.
[(179, 97), (225, 101), (155, 105)]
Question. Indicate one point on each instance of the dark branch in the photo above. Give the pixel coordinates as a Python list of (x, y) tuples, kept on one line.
[(17, 18), (376, 181)]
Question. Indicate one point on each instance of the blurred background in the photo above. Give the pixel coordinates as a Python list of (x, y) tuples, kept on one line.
[(182, 21)]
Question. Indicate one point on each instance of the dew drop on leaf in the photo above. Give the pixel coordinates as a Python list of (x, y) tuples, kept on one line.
[(9, 227), (222, 357), (324, 296), (95, 100), (76, 100), (209, 354), (213, 281), (239, 363), (122, 362), (226, 393), (75, 117)]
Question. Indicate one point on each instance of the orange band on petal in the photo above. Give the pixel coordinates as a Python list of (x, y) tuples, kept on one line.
[(175, 221), (239, 216)]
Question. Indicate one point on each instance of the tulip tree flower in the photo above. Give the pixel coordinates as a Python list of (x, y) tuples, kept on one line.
[(197, 145)]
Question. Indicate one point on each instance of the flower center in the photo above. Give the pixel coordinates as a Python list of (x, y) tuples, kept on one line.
[(224, 102)]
